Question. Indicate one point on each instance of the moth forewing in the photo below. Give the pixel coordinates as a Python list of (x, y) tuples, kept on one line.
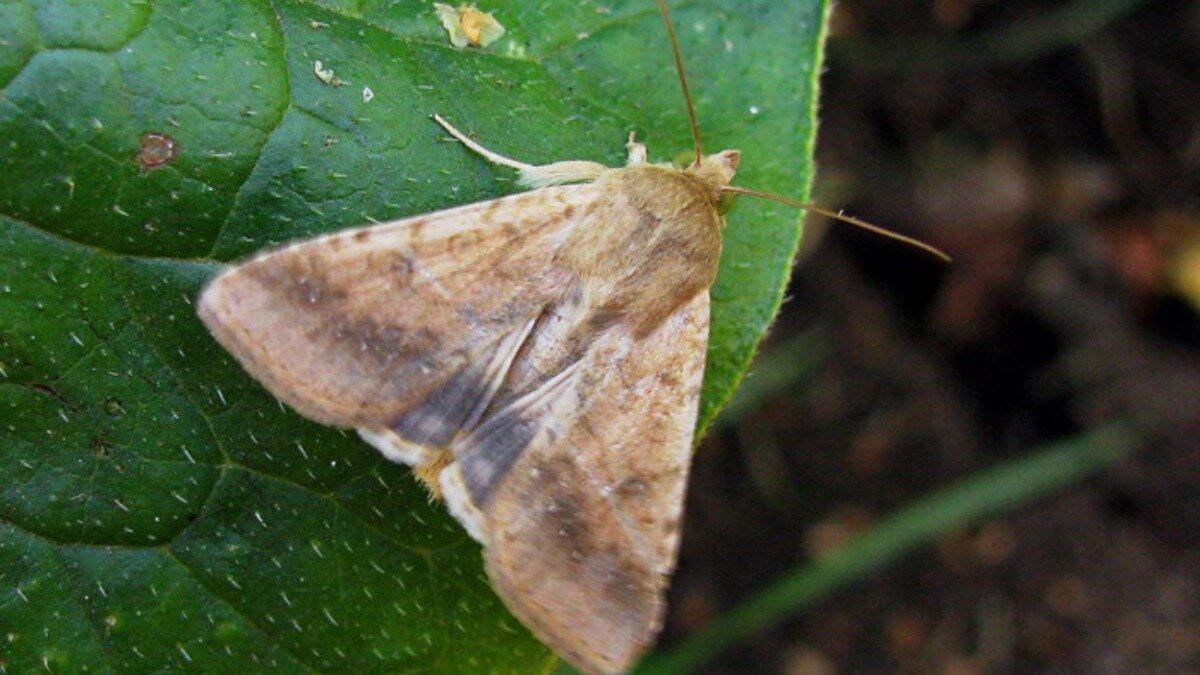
[(355, 328)]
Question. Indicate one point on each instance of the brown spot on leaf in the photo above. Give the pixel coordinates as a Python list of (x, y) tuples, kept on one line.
[(114, 408), (156, 150), (101, 447)]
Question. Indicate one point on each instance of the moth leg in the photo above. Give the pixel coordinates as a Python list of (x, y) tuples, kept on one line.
[(493, 157), (531, 175), (426, 461), (637, 151), (429, 474)]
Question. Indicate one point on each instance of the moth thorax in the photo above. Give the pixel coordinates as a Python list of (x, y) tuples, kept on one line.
[(717, 170)]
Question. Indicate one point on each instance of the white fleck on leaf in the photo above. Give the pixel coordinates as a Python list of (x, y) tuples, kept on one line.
[(326, 75)]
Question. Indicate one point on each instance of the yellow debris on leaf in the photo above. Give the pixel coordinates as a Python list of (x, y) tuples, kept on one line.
[(468, 26)]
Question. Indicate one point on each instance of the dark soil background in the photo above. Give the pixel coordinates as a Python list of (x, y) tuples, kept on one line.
[(1060, 166)]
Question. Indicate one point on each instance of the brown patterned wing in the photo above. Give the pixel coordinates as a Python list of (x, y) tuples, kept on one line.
[(357, 327), (582, 526)]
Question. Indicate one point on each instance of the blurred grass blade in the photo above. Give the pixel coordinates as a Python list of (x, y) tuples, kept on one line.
[(994, 491)]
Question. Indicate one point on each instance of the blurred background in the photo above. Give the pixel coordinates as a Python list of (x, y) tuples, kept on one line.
[(1053, 149)]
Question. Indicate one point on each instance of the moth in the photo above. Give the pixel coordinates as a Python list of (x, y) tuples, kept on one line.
[(536, 359)]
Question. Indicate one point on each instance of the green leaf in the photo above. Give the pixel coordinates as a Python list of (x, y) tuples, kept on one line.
[(160, 510)]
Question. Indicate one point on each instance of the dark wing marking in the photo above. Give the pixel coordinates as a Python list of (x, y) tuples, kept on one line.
[(486, 455), (456, 406)]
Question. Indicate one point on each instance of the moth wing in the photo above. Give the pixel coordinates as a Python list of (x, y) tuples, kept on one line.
[(357, 327), (582, 529)]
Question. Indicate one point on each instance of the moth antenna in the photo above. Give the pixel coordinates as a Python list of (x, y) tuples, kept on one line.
[(687, 94), (849, 220)]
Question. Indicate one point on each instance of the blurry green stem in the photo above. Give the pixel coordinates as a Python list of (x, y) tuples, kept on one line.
[(987, 494)]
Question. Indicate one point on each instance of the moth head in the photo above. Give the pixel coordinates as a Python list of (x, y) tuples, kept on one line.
[(717, 170)]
